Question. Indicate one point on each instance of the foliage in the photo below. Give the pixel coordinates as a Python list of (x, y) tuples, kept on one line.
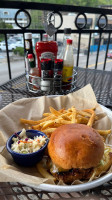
[(89, 3), (36, 19), (1, 37), (4, 25), (19, 51)]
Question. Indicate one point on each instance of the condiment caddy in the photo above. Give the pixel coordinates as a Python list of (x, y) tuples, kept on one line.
[(49, 76)]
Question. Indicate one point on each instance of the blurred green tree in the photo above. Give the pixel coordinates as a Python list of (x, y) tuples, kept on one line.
[(4, 25), (89, 3)]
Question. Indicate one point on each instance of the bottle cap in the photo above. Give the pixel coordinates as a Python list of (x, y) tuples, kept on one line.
[(69, 41), (58, 64), (28, 35), (67, 30), (30, 56)]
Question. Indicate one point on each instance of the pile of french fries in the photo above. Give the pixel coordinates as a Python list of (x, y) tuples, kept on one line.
[(54, 119)]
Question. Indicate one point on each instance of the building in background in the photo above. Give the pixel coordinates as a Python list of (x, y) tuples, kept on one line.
[(8, 15), (92, 19), (69, 22)]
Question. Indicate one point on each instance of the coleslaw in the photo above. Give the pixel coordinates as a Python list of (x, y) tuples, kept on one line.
[(25, 145)]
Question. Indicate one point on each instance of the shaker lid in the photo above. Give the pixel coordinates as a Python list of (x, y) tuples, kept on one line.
[(28, 35), (46, 64), (67, 30), (58, 64), (69, 41)]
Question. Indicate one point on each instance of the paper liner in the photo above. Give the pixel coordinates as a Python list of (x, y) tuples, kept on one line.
[(33, 108)]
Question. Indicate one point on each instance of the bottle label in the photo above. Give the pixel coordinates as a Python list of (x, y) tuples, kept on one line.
[(35, 81), (49, 55), (27, 44), (26, 64), (32, 63), (67, 74), (46, 74)]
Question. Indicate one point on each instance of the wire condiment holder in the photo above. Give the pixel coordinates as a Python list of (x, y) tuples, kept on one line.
[(55, 86)]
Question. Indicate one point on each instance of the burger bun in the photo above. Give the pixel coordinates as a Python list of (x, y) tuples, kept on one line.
[(75, 146)]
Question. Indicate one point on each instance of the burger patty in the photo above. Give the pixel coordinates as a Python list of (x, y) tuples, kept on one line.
[(73, 174)]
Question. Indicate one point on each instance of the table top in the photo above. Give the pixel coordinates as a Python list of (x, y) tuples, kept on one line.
[(100, 81), (10, 191), (16, 89)]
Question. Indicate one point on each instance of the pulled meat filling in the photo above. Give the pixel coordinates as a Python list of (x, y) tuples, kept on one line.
[(73, 174), (68, 176)]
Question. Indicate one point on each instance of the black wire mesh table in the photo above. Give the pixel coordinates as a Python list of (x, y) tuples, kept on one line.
[(101, 82), (17, 191)]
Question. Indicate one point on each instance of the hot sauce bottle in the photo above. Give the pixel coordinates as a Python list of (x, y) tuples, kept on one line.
[(28, 50), (34, 78), (68, 64)]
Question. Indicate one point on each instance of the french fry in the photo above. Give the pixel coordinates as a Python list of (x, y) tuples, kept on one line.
[(66, 116), (91, 120), (48, 124), (56, 125), (37, 127), (54, 112), (74, 114), (30, 122), (46, 114), (29, 127), (86, 113), (70, 109), (62, 121), (83, 113), (82, 120), (49, 131), (43, 171), (104, 132), (89, 110)]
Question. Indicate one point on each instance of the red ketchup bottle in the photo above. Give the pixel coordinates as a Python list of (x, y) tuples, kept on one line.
[(46, 49)]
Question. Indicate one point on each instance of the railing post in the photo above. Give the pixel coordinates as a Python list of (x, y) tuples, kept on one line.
[(8, 59)]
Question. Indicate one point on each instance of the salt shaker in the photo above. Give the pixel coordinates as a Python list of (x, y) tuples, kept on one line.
[(46, 74)]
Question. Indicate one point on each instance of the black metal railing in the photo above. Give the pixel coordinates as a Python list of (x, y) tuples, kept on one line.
[(100, 13)]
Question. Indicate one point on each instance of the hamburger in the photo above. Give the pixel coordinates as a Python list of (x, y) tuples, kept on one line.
[(75, 150)]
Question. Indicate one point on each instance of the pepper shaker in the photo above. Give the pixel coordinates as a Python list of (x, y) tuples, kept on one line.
[(58, 66)]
